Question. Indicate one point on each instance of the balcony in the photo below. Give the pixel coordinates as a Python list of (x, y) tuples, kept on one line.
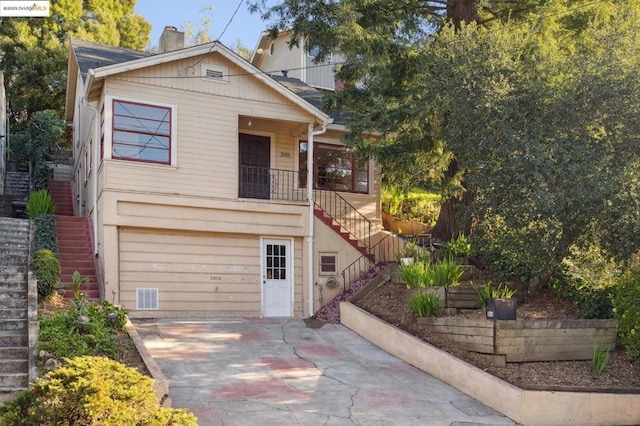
[(270, 184)]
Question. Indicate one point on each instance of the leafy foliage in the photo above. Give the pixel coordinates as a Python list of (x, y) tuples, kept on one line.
[(627, 310), (47, 269), (92, 390), (540, 113), (588, 279), (600, 359), (64, 335), (425, 304), (489, 291), (39, 203), (457, 247), (45, 233), (35, 50)]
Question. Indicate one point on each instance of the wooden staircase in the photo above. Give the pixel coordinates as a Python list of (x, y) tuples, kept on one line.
[(75, 242)]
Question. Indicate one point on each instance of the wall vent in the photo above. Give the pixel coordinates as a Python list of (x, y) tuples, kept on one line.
[(215, 73), (146, 298)]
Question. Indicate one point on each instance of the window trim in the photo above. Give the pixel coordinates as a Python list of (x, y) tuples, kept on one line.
[(335, 263), (320, 143), (109, 118)]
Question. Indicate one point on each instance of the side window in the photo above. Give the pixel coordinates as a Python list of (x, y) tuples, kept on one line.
[(141, 132)]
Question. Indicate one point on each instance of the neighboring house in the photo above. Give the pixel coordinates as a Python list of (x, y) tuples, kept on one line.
[(192, 166), (276, 56)]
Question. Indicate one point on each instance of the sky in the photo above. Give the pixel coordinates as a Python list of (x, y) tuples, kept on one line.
[(244, 27)]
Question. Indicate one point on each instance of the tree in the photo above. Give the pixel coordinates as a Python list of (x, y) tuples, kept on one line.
[(378, 37), (537, 113), (35, 49)]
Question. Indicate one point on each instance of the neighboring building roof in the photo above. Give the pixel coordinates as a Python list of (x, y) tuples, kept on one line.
[(310, 94), (96, 61)]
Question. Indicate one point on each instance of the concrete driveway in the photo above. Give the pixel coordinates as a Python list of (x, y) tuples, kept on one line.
[(293, 372)]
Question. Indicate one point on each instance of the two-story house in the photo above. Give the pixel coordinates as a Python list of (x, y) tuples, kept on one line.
[(301, 62), (214, 189)]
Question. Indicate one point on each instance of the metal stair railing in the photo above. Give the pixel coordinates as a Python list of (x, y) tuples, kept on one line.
[(344, 214)]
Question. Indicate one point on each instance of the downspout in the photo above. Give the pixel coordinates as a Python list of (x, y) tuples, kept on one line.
[(310, 168), (96, 153)]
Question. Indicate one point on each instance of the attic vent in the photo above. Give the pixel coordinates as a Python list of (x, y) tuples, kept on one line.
[(146, 298), (214, 73)]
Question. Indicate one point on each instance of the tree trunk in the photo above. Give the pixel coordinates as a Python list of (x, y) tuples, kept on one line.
[(447, 225), (459, 11), (462, 11)]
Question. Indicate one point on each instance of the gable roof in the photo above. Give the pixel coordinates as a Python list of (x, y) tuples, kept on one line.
[(310, 94), (95, 62)]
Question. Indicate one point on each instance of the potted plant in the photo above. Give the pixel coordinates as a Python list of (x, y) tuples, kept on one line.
[(498, 302), (408, 253)]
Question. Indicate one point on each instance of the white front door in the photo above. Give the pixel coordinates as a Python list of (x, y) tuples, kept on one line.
[(277, 294)]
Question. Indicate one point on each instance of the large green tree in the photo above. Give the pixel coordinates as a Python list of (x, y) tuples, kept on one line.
[(35, 49), (537, 111)]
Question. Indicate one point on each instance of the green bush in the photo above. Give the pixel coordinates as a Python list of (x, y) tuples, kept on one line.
[(425, 304), (45, 233), (588, 279), (444, 273), (412, 274), (626, 309), (457, 247), (64, 336), (40, 202), (47, 269), (40, 175), (92, 391)]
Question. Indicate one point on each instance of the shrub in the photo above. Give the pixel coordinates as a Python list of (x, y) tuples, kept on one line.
[(40, 202), (457, 247), (40, 175), (412, 274), (600, 359), (88, 391), (47, 269), (425, 304), (445, 273), (627, 309), (64, 336), (588, 279), (45, 233)]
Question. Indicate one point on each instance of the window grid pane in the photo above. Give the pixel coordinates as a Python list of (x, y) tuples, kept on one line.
[(276, 262), (141, 132)]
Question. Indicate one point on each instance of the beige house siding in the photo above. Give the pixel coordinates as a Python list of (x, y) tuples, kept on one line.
[(181, 227), (283, 58), (216, 274), (322, 74)]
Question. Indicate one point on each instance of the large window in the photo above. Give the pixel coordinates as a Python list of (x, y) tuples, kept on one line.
[(336, 167), (141, 132)]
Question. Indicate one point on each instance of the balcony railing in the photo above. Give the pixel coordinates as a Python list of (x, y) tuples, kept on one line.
[(274, 184), (270, 184)]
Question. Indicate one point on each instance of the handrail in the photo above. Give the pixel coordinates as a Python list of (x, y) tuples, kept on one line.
[(344, 214), (276, 184), (384, 251)]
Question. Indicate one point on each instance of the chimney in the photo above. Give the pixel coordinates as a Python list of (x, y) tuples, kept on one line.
[(171, 39)]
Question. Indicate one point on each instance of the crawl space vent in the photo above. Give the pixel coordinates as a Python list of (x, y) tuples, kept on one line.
[(147, 298)]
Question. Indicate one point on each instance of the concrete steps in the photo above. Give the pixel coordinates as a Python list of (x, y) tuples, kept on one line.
[(14, 306)]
